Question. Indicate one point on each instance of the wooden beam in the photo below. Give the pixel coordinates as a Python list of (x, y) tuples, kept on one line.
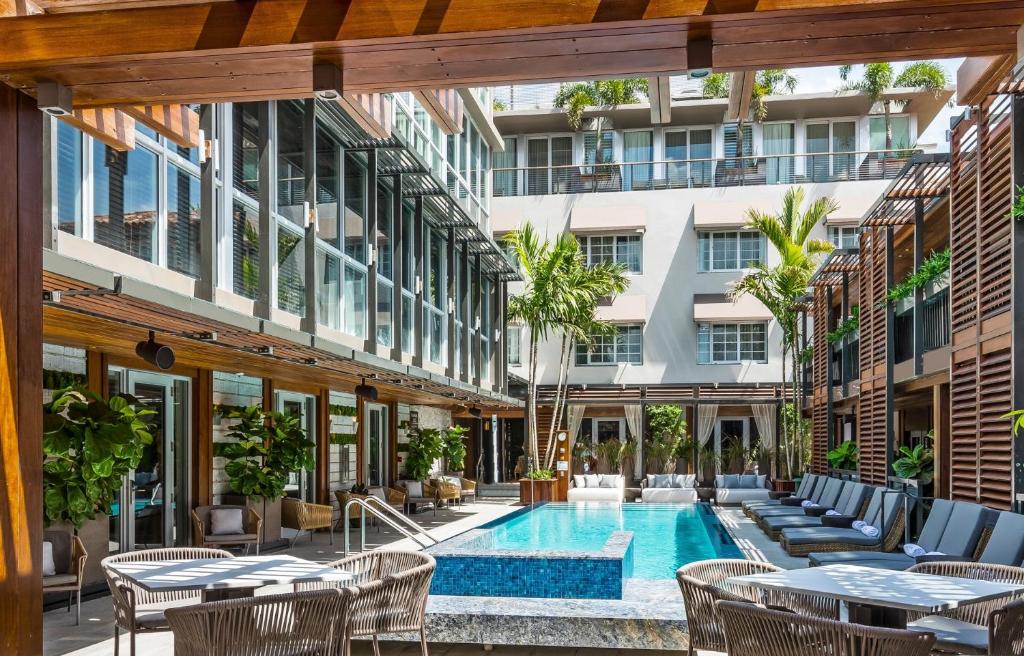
[(659, 92), (21, 375), (977, 77), (740, 90), (444, 106), (263, 49), (110, 126), (202, 456), (372, 111), (179, 123)]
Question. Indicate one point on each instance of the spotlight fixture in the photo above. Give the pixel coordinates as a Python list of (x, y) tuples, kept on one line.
[(310, 361), (51, 296), (160, 355), (262, 350), (368, 392), (475, 412), (205, 336)]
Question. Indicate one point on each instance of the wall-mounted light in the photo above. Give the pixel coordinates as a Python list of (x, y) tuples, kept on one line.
[(475, 412), (53, 98), (368, 392), (159, 355)]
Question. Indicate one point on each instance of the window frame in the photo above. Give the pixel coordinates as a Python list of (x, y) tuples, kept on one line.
[(585, 241), (617, 355), (841, 230), (710, 237), (738, 326)]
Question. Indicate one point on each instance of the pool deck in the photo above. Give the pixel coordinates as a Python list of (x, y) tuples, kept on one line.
[(650, 617)]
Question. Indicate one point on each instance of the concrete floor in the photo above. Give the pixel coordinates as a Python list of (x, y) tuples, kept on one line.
[(95, 635)]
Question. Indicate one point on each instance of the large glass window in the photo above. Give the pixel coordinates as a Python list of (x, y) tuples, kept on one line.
[(125, 200), (779, 145), (328, 181), (688, 153), (622, 249), (505, 180), (830, 147), (328, 302), (624, 346), (69, 178), (729, 251), (355, 301), (844, 236), (638, 154), (514, 344), (901, 138), (245, 146), (245, 241), (725, 343), (590, 150), (355, 208), (182, 221), (291, 180), (290, 270)]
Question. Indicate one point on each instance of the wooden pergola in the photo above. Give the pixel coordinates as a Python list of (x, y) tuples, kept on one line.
[(107, 62)]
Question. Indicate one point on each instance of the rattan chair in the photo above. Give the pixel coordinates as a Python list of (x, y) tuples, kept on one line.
[(754, 631), (309, 623), (302, 516), (138, 610), (203, 537), (447, 491), (69, 556), (703, 583), (392, 597), (1003, 618)]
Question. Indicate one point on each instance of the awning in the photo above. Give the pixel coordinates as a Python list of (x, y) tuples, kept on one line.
[(624, 309), (719, 307), (607, 218)]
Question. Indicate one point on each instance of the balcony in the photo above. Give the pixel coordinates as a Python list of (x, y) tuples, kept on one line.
[(936, 335), (845, 362), (699, 173)]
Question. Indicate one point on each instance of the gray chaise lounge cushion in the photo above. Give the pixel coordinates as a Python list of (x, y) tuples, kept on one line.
[(826, 496), (807, 483), (963, 530), (822, 535), (882, 512), (850, 502), (1006, 545)]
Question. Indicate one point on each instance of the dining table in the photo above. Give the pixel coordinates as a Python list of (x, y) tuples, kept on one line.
[(226, 578), (881, 597)]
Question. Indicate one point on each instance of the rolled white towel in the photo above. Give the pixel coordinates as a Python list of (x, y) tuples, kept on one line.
[(833, 513), (858, 525), (870, 531), (807, 503), (913, 550), (935, 553), (815, 505)]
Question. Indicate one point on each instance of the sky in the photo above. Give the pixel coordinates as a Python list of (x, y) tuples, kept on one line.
[(826, 78)]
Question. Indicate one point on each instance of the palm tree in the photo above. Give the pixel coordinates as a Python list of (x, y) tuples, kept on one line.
[(575, 98), (879, 77), (769, 82), (781, 286)]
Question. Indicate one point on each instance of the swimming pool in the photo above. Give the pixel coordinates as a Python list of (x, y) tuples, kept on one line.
[(579, 550)]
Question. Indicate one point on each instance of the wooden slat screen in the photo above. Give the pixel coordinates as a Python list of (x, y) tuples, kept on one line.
[(963, 276), (994, 197), (820, 376), (872, 417)]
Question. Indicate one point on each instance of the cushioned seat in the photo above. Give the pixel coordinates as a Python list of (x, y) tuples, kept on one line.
[(59, 580), (152, 615), (849, 504), (885, 512), (668, 488), (806, 485), (598, 487), (953, 632), (1006, 544), (828, 498), (827, 534), (734, 489)]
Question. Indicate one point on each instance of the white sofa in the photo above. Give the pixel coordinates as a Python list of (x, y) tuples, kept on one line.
[(730, 490), (597, 487), (668, 488)]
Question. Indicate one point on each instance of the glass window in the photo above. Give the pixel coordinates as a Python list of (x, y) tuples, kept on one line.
[(125, 200), (290, 271), (561, 161), (355, 208), (537, 160), (844, 236), (623, 346), (385, 209), (245, 240), (355, 302), (738, 144), (844, 143), (817, 142), (779, 144), (245, 146), (384, 303), (621, 249), (344, 436), (590, 154), (900, 132), (629, 251), (724, 343), (638, 147), (729, 251), (291, 180), (407, 321), (505, 180), (328, 300), (182, 221), (328, 190), (69, 178)]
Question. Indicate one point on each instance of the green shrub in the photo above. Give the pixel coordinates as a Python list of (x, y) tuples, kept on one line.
[(845, 456), (267, 447), (454, 449)]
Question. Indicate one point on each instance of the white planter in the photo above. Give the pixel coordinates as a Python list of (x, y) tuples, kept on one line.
[(937, 285)]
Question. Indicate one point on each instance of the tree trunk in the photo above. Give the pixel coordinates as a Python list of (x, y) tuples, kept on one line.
[(560, 399), (888, 126), (532, 427)]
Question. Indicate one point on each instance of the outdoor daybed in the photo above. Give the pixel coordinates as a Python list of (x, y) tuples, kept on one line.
[(734, 489), (668, 488), (597, 487)]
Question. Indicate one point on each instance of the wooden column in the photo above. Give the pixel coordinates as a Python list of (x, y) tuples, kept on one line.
[(96, 373), (940, 424), (890, 358), (419, 282), (202, 443), (370, 345), (21, 374), (830, 384), (451, 294), (476, 315), (323, 446), (398, 238), (919, 291), (1017, 286)]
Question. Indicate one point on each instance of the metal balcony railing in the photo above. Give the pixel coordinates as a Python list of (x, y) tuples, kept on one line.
[(699, 173), (936, 326)]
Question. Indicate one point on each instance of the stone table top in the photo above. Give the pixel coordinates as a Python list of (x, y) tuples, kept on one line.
[(221, 573)]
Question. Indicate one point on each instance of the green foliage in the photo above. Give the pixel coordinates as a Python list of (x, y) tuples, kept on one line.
[(88, 445), (59, 380), (769, 82), (343, 438), (540, 474), (845, 456), (715, 85), (498, 106), (666, 421), (925, 75), (666, 438), (267, 447), (425, 449), (454, 449), (575, 98), (934, 267), (342, 410), (846, 326), (1017, 211), (735, 457), (608, 453), (918, 463)]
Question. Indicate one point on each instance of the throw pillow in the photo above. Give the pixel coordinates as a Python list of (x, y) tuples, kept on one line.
[(913, 550), (748, 481), (761, 478), (578, 480), (592, 480), (609, 481), (663, 480), (731, 481), (719, 480), (226, 521), (414, 488), (49, 568), (685, 481)]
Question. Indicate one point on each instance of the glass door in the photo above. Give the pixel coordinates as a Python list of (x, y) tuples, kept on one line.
[(301, 484), (778, 145), (639, 153), (376, 436), (152, 510)]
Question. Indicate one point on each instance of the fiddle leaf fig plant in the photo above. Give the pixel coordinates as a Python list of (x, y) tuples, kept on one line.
[(917, 462), (89, 444), (455, 448), (845, 456), (424, 449), (268, 446)]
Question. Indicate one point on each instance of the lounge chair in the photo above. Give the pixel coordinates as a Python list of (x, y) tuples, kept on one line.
[(850, 503), (69, 558), (807, 484), (449, 489), (953, 528), (597, 487), (826, 497), (992, 628), (1005, 545), (203, 535), (418, 493), (754, 631), (886, 512), (734, 489), (668, 488), (302, 516)]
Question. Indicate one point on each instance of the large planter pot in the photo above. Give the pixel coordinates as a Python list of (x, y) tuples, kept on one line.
[(779, 485), (269, 509), (95, 537), (532, 491)]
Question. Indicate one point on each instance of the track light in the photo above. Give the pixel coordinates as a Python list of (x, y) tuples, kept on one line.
[(368, 392), (159, 355), (475, 412)]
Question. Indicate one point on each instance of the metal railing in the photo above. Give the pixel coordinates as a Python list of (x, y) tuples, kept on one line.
[(936, 321), (381, 511), (699, 173)]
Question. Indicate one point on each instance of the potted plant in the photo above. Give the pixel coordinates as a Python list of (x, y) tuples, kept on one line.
[(627, 459), (916, 464), (708, 460), (89, 446), (582, 456), (684, 455), (454, 449), (268, 447), (844, 457), (537, 485), (424, 449)]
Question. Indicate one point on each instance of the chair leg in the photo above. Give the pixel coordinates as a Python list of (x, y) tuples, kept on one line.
[(70, 595), (423, 641), (117, 640), (376, 645), (78, 607), (132, 643)]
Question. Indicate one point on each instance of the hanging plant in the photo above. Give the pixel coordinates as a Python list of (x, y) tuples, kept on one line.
[(934, 267), (1017, 211), (846, 327)]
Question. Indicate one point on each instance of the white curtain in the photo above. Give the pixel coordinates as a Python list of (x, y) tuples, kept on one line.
[(635, 424), (706, 416), (764, 417), (637, 147), (575, 421), (778, 140)]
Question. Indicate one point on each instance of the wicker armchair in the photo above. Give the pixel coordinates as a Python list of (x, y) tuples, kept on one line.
[(447, 491), (393, 588), (138, 610), (69, 556), (302, 516), (754, 631), (703, 584), (309, 623), (1004, 618), (202, 536), (468, 490)]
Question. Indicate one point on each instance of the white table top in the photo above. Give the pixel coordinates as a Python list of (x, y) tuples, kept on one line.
[(926, 593), (220, 573)]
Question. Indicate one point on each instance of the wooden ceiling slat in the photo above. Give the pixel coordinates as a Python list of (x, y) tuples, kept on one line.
[(110, 126), (179, 123)]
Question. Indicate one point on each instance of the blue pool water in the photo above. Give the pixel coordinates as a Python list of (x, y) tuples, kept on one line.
[(664, 536)]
